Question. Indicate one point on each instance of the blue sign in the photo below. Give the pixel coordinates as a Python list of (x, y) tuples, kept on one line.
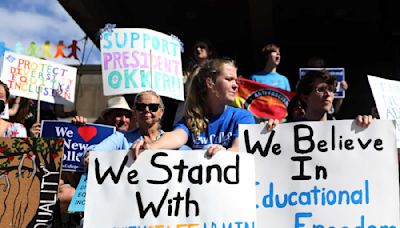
[(78, 200), (77, 138), (336, 72)]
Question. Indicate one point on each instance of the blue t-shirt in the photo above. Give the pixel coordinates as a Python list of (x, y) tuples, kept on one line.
[(222, 129), (272, 79), (119, 141)]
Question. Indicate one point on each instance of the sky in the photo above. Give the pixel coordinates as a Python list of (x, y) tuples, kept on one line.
[(39, 21)]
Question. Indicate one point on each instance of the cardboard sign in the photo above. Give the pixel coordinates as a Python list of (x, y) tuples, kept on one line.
[(335, 72), (78, 200), (167, 188), (387, 99), (137, 59), (32, 78), (77, 139), (29, 177), (325, 174)]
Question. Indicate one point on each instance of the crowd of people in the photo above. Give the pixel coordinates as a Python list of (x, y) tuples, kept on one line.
[(204, 121)]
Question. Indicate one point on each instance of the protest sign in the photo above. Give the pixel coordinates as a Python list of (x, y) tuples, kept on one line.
[(387, 99), (32, 78), (137, 59), (78, 200), (325, 174), (264, 101), (29, 176), (338, 73), (77, 139), (167, 188)]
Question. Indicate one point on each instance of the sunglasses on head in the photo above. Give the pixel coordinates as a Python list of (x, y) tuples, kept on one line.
[(142, 107)]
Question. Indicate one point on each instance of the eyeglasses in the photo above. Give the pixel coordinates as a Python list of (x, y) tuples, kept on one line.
[(325, 89), (141, 107)]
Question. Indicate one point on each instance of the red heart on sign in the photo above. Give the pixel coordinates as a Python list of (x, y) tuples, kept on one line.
[(87, 133)]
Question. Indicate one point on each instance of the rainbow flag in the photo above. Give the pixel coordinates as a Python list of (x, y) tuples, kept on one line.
[(264, 101)]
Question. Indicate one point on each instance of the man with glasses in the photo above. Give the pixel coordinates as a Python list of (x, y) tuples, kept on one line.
[(316, 92)]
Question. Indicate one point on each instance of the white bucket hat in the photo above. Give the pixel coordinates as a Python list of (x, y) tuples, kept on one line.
[(117, 102)]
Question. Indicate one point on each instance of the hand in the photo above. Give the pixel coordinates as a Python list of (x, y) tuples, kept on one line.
[(79, 120), (86, 161), (364, 120), (138, 146), (271, 124), (35, 130), (65, 194), (17, 100), (344, 85), (214, 148)]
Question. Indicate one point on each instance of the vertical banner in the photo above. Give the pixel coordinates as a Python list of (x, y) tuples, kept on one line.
[(387, 99), (28, 77), (338, 73), (29, 176), (170, 188), (137, 59), (325, 174), (77, 139)]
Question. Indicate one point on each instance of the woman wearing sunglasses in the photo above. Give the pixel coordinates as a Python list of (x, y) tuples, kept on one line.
[(209, 123), (148, 110)]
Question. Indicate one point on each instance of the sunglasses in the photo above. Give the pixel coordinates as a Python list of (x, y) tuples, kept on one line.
[(141, 107)]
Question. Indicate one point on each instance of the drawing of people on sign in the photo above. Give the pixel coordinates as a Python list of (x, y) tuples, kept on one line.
[(29, 176), (74, 49), (60, 49)]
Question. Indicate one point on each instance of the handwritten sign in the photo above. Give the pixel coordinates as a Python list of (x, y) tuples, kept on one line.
[(170, 189), (28, 77), (29, 175), (134, 60), (77, 139), (387, 99), (325, 174), (338, 73)]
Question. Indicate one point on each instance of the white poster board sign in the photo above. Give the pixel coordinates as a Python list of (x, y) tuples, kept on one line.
[(138, 59), (325, 174), (168, 188), (28, 77), (387, 99)]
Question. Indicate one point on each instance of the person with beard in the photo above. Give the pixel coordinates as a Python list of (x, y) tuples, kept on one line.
[(8, 129), (269, 76)]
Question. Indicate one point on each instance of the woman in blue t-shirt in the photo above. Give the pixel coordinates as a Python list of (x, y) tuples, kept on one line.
[(208, 123)]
